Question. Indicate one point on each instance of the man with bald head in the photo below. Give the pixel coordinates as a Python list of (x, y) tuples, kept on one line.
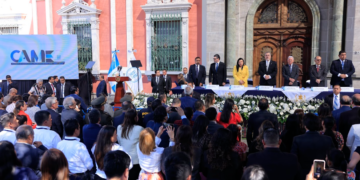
[(317, 73), (290, 72), (345, 102), (12, 93)]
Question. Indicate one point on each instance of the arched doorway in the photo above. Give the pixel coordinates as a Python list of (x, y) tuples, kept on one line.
[(283, 28)]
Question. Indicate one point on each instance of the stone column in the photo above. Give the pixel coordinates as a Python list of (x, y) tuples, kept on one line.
[(95, 37), (338, 11), (232, 31)]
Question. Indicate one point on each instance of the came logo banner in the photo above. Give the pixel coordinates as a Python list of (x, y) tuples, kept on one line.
[(38, 56)]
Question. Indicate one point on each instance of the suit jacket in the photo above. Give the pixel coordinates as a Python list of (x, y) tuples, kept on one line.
[(272, 71), (310, 146), (142, 113), (101, 89), (347, 119), (336, 114), (219, 76), (255, 121), (330, 100), (118, 120), (201, 75), (148, 118), (196, 114), (173, 116), (317, 75), (186, 76), (49, 89), (57, 125), (188, 101), (277, 165), (67, 114), (29, 156), (5, 88), (158, 88), (168, 83), (293, 74), (66, 90), (213, 127), (90, 133), (336, 69)]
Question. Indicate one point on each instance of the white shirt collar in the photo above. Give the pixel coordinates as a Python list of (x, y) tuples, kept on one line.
[(43, 127), (336, 95), (8, 130), (71, 138)]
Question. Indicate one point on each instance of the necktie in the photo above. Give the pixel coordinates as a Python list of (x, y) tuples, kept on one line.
[(267, 65), (217, 65), (342, 64), (197, 70), (165, 78), (336, 105), (317, 68), (290, 68), (157, 80), (52, 87), (62, 90)]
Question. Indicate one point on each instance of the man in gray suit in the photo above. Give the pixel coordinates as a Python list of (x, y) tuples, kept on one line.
[(290, 72), (317, 73)]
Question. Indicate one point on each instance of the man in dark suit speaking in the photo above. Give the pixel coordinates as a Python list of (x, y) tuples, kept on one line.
[(217, 73), (101, 89), (267, 71), (197, 73), (317, 73), (157, 83), (342, 70), (290, 72)]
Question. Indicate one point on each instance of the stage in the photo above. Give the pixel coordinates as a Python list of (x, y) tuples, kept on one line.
[(302, 94)]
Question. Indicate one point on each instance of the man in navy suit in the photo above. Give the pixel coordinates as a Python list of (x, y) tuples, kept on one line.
[(200, 109), (50, 86), (197, 73), (52, 105), (217, 72), (91, 130), (101, 89), (62, 89), (345, 103), (342, 70), (267, 71), (158, 83), (187, 100), (7, 85)]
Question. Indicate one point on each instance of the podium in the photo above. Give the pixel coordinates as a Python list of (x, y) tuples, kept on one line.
[(120, 92)]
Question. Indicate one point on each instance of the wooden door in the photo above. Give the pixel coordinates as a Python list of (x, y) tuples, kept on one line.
[(283, 28)]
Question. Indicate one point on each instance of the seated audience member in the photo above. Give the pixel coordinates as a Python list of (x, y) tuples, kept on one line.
[(199, 109), (25, 152), (163, 99), (324, 110), (128, 137), (11, 104), (200, 137), (20, 109), (52, 105), (126, 106), (149, 153), (257, 145), (255, 172), (75, 151), (10, 124), (183, 143), (105, 142), (42, 102), (210, 101), (12, 92), (220, 161), (240, 147), (178, 166), (32, 107), (173, 115), (188, 100), (345, 103), (277, 165), (227, 116), (145, 111), (54, 165), (328, 125), (91, 130), (21, 119), (256, 119), (189, 113), (335, 159), (292, 129), (11, 166), (69, 112), (310, 145), (98, 104), (211, 114), (74, 92), (160, 118), (156, 103), (127, 97), (42, 132), (117, 165)]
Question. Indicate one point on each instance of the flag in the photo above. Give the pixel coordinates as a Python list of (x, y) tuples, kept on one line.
[(113, 70), (136, 83)]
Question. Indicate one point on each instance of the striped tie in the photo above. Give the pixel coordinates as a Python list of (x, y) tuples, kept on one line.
[(336, 105)]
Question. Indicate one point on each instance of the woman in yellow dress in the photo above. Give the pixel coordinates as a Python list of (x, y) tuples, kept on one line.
[(241, 73)]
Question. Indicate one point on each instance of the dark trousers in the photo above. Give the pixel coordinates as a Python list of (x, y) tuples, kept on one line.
[(342, 84), (134, 172)]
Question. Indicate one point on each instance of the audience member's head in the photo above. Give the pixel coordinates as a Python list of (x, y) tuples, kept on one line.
[(21, 119), (188, 91), (147, 141), (8, 160), (116, 165), (149, 101), (44, 97), (51, 79), (264, 126), (8, 121), (227, 110), (211, 114), (20, 106), (235, 132), (220, 149), (335, 159), (25, 97), (51, 103), (32, 100), (178, 166), (345, 100), (183, 141), (74, 90), (69, 103), (95, 116), (54, 165), (156, 103), (15, 99), (72, 128), (25, 133), (263, 104), (13, 92), (188, 111), (324, 110), (271, 138), (292, 124), (209, 100), (176, 102), (311, 122), (162, 98), (160, 114), (328, 125), (255, 172), (356, 100), (199, 105), (105, 140), (126, 105), (43, 118), (98, 103), (199, 128), (130, 120)]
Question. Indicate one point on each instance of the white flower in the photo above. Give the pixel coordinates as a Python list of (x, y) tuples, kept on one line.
[(245, 110), (292, 111), (290, 104), (247, 102), (257, 108), (281, 113), (272, 109), (298, 104), (242, 102)]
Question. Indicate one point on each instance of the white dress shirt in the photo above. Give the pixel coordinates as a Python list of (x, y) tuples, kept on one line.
[(49, 138), (10, 108), (267, 67), (151, 163), (31, 112), (342, 62), (129, 144), (353, 139), (115, 147), (52, 84), (8, 135), (76, 154)]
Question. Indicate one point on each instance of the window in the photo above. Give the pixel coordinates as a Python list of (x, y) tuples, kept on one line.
[(9, 29), (82, 29), (166, 40)]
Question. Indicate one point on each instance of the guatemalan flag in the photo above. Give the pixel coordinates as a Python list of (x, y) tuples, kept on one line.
[(113, 70)]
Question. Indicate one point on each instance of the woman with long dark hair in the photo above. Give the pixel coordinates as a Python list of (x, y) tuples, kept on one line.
[(20, 108), (12, 102), (241, 73), (220, 161), (240, 147), (256, 144), (128, 138), (181, 79), (292, 129), (328, 125), (300, 114), (324, 110), (54, 165), (200, 137), (210, 101), (105, 142), (227, 116)]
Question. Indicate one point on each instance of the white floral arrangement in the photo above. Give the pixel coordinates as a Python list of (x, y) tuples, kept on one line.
[(247, 104)]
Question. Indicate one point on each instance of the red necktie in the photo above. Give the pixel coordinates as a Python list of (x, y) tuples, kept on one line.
[(52, 87), (317, 69)]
